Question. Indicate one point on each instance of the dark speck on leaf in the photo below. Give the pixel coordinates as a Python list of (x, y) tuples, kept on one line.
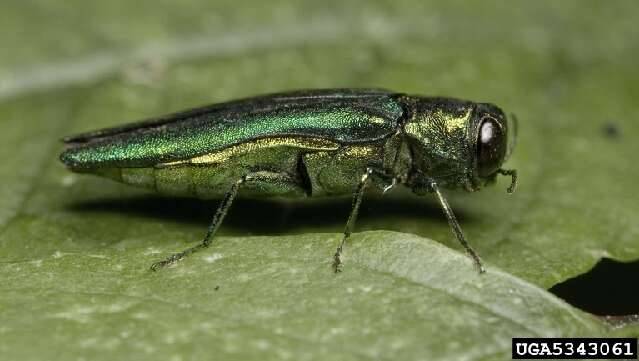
[(216, 288), (611, 130)]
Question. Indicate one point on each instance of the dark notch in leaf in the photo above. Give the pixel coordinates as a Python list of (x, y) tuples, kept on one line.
[(608, 289)]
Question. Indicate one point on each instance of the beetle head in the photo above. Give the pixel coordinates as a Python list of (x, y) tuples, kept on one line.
[(492, 137), (458, 144)]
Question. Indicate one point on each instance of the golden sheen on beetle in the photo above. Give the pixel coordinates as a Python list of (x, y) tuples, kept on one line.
[(307, 143)]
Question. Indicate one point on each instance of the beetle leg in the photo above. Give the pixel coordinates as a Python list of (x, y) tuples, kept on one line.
[(383, 180), (357, 200), (390, 186), (454, 225), (213, 226)]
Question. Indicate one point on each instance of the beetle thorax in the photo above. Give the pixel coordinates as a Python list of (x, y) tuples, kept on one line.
[(437, 134)]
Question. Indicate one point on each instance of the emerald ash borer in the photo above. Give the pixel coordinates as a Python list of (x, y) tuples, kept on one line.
[(309, 143)]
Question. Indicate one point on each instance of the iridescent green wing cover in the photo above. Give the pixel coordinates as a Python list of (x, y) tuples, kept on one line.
[(345, 116)]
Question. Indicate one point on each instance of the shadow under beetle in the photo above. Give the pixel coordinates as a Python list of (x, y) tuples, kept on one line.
[(307, 143)]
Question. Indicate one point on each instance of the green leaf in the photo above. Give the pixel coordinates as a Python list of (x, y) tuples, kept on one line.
[(76, 249), (399, 296)]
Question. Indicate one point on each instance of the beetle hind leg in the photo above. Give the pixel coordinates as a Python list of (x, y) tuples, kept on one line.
[(213, 226), (263, 179)]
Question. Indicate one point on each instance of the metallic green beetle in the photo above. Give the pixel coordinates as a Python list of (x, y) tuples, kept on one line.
[(306, 143)]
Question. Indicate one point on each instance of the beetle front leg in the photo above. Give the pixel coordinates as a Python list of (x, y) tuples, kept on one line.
[(357, 200), (452, 221)]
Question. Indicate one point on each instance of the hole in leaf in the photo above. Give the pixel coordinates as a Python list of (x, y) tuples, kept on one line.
[(609, 288)]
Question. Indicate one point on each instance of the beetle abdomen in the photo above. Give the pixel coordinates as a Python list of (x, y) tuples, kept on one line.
[(175, 181), (210, 175), (204, 182)]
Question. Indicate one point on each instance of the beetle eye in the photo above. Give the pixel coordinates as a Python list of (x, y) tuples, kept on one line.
[(491, 147)]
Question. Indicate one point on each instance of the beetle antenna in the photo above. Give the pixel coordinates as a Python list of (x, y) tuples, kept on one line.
[(513, 178), (511, 146)]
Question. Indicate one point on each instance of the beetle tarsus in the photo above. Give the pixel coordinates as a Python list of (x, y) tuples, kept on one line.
[(161, 264), (176, 257), (477, 261), (337, 261), (513, 178)]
